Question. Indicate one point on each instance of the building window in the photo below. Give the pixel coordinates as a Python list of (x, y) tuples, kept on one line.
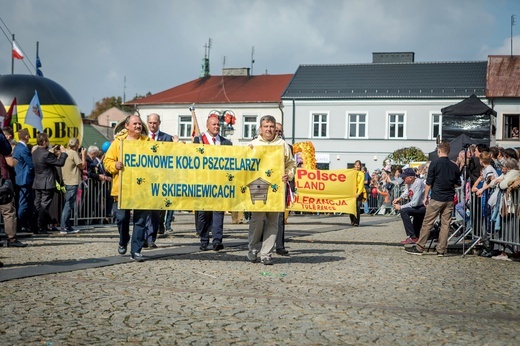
[(319, 125), (185, 126), (357, 125), (511, 126), (396, 126), (250, 126), (436, 125)]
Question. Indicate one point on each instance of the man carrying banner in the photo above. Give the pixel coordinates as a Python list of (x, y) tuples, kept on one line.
[(113, 164), (214, 220), (155, 222), (282, 218), (264, 225)]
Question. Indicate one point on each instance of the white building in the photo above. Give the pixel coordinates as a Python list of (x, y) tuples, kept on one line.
[(366, 111), (247, 97)]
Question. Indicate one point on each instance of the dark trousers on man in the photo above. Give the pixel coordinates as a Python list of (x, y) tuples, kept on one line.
[(210, 221), (42, 202), (152, 226), (354, 219), (280, 236), (123, 225), (25, 207), (413, 228)]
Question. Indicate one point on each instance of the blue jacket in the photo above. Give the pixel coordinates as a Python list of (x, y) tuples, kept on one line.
[(24, 168), (163, 137)]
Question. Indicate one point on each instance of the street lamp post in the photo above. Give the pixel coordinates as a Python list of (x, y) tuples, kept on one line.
[(228, 118)]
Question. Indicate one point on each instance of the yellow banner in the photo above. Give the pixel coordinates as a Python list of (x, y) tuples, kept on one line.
[(177, 176), (326, 191)]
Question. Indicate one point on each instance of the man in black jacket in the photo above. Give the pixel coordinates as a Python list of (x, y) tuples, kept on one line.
[(44, 185), (443, 177)]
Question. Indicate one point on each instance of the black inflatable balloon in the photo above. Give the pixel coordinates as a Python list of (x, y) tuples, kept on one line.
[(61, 116)]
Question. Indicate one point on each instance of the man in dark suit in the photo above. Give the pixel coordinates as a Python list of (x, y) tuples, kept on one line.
[(44, 185), (214, 220), (24, 179), (282, 218), (155, 222)]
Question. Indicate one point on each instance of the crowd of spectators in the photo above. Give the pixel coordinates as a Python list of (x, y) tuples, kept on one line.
[(48, 179)]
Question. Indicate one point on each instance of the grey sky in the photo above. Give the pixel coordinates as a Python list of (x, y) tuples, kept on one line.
[(90, 46)]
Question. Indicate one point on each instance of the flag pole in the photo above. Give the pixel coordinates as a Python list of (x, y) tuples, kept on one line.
[(37, 55), (12, 57)]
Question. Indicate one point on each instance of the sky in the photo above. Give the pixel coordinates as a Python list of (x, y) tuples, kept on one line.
[(90, 47)]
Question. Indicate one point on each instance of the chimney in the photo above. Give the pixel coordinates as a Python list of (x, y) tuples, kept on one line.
[(392, 57), (240, 71)]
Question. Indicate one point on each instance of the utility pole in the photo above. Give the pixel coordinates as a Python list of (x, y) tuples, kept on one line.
[(252, 58), (512, 24)]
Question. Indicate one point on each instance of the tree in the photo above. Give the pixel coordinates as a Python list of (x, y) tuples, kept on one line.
[(113, 101), (404, 156), (104, 105)]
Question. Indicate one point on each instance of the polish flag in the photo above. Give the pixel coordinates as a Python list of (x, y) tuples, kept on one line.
[(17, 52)]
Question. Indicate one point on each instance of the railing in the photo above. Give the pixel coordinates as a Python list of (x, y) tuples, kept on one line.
[(93, 203), (497, 224), (376, 203)]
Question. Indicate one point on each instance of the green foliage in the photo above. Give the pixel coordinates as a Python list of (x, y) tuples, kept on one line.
[(105, 104), (113, 101), (404, 156)]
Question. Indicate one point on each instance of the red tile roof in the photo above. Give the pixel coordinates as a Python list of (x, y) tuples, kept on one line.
[(222, 89), (503, 76)]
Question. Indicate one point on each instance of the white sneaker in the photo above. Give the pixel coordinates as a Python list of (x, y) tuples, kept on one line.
[(501, 257)]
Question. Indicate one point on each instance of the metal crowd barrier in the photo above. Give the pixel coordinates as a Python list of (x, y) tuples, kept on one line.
[(376, 203), (93, 204), (494, 227)]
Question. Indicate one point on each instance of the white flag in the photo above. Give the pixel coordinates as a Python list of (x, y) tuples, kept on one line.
[(34, 114)]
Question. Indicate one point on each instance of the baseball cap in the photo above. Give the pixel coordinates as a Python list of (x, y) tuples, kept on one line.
[(407, 172)]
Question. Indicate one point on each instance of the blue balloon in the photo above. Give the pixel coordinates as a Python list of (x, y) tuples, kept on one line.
[(105, 146)]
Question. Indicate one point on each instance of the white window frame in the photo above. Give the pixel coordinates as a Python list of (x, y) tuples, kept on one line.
[(433, 123), (249, 124), (357, 125), (506, 132), (388, 123), (185, 125), (327, 123)]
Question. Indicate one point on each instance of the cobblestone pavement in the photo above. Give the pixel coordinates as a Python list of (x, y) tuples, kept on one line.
[(339, 286)]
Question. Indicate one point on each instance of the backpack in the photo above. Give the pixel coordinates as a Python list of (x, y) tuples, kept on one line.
[(6, 191)]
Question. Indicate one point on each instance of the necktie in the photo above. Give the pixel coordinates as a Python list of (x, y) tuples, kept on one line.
[(153, 136), (214, 140)]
